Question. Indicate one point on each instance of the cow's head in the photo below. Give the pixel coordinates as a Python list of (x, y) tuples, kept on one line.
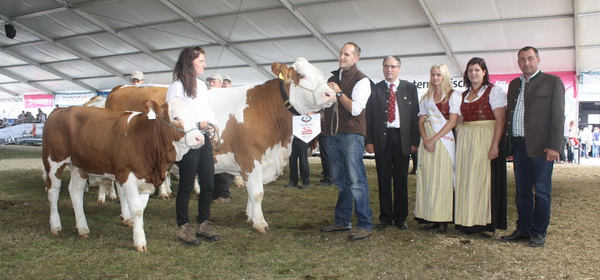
[(308, 90), (180, 116)]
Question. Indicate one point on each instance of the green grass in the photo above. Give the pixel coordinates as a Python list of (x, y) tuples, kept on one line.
[(293, 249)]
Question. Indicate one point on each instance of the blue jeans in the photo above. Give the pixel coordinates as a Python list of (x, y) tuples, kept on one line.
[(530, 173), (345, 152)]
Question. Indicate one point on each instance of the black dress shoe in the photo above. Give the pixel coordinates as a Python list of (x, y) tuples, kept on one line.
[(324, 183), (402, 225), (537, 241), (515, 236), (291, 184), (429, 227), (305, 186), (413, 172), (381, 226)]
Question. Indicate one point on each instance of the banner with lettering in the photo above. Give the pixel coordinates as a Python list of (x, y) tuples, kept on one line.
[(72, 99), (38, 100)]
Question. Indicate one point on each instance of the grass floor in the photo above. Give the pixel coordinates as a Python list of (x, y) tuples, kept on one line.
[(294, 248)]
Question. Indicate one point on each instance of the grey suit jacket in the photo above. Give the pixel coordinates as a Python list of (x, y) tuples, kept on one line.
[(408, 110), (544, 112)]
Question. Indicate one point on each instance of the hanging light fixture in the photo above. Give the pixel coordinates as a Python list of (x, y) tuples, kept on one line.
[(10, 30)]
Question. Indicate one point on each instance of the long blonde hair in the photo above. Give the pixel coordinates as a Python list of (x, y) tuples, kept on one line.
[(446, 84)]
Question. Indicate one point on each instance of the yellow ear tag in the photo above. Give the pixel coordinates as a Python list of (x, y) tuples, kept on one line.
[(281, 76), (151, 115)]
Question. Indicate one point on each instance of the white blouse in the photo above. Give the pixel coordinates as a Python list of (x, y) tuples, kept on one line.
[(200, 104), (497, 97)]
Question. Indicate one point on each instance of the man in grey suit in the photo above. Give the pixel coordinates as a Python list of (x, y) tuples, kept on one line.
[(392, 134), (535, 117)]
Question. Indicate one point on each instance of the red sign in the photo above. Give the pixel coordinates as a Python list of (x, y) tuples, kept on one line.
[(38, 100)]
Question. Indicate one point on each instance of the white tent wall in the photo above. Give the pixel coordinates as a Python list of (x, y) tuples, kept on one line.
[(92, 45)]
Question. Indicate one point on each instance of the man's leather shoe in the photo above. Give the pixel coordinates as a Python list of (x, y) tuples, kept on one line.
[(537, 241), (381, 226), (324, 183), (515, 236), (402, 225), (334, 228), (291, 184), (305, 186), (360, 234)]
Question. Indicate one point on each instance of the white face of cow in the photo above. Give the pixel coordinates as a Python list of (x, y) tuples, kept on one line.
[(312, 92), (181, 113)]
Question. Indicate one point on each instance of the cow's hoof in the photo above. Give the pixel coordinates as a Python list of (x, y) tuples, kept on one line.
[(250, 223), (263, 229), (85, 235), (141, 249), (128, 223), (112, 198), (100, 201), (55, 232), (164, 196)]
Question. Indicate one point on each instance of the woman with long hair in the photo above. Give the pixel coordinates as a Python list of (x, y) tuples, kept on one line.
[(189, 66), (480, 194), (439, 109)]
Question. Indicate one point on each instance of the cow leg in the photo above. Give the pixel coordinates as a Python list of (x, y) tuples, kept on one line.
[(164, 190), (112, 194), (196, 186), (238, 181), (136, 204), (124, 207), (53, 194), (76, 191), (255, 189)]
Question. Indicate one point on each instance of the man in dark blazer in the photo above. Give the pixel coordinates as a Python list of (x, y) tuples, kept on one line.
[(534, 125), (392, 134)]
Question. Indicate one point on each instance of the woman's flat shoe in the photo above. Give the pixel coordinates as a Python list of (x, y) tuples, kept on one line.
[(442, 228), (486, 234), (429, 227)]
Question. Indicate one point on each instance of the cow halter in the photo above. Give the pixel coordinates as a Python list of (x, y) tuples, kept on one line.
[(286, 99), (184, 131)]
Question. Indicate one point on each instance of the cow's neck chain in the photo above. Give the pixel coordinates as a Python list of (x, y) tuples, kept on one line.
[(286, 99)]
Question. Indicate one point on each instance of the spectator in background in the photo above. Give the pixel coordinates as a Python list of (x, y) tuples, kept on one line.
[(327, 178), (573, 142), (137, 78), (221, 194), (299, 154), (215, 81), (41, 116), (227, 83), (586, 141), (596, 142)]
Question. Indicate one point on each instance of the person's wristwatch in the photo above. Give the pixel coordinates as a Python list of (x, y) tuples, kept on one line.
[(339, 94)]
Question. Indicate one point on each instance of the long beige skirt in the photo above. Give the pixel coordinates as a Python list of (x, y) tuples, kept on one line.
[(434, 200), (473, 174)]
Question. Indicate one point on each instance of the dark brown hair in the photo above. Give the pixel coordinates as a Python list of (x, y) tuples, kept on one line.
[(481, 62), (184, 69)]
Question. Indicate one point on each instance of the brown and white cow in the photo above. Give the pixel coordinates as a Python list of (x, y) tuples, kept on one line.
[(256, 127), (131, 148)]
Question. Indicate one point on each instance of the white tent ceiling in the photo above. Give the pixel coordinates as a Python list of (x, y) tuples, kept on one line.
[(79, 45)]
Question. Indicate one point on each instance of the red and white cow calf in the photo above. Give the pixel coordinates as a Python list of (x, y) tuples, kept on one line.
[(135, 149), (256, 127)]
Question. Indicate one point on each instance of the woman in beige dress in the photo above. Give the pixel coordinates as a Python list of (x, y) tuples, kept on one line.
[(480, 194), (439, 109)]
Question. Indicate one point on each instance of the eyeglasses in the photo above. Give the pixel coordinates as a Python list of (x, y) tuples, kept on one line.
[(391, 66)]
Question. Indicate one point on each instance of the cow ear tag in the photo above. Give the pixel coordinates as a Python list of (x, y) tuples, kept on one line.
[(151, 115), (281, 76)]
